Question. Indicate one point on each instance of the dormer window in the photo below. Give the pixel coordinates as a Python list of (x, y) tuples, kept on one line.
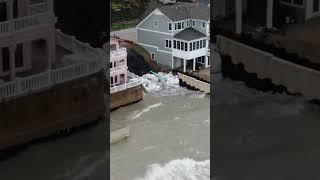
[(187, 23), (170, 26), (156, 23), (203, 25), (179, 25), (193, 23), (182, 25)]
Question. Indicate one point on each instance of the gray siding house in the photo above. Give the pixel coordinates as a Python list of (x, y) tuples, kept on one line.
[(177, 35)]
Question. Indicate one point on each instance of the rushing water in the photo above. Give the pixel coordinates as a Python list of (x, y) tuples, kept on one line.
[(169, 135)]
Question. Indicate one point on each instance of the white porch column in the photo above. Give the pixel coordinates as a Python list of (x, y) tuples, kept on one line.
[(238, 16), (269, 14), (1, 60), (194, 64), (184, 65), (207, 64), (309, 9), (12, 50), (172, 63)]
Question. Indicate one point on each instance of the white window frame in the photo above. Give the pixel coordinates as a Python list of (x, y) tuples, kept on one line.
[(291, 3), (203, 23), (153, 56), (170, 25), (193, 23), (156, 23), (168, 41)]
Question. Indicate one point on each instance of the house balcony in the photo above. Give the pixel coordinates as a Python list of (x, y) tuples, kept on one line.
[(120, 53), (190, 54), (38, 16), (121, 68)]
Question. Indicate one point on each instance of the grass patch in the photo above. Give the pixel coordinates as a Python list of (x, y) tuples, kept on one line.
[(124, 25)]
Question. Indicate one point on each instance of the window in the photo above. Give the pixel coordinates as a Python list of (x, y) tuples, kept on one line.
[(152, 56), (198, 44), (3, 11), (170, 26), (110, 64), (315, 6), (115, 79), (201, 44), (182, 46), (204, 43), (194, 46), (175, 26), (193, 23), (5, 59), (168, 43), (182, 25), (174, 44), (178, 44), (111, 80), (156, 23), (187, 23), (179, 25), (190, 48), (203, 25), (186, 46)]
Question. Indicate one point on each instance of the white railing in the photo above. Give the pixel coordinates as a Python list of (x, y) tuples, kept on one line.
[(32, 2), (30, 84), (4, 27), (119, 68), (137, 82), (30, 22), (37, 8), (119, 52), (24, 23)]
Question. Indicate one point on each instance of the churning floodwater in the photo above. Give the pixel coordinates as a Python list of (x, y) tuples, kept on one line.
[(169, 134)]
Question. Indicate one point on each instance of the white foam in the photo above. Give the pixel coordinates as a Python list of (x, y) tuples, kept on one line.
[(180, 169), (170, 87), (136, 115)]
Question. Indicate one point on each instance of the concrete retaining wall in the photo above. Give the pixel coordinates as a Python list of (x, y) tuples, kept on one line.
[(41, 114), (125, 97), (296, 78), (202, 86)]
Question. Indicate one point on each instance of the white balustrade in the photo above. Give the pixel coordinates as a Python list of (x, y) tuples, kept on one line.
[(30, 84), (136, 82), (4, 27)]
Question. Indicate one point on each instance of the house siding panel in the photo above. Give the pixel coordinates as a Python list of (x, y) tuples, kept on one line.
[(160, 57), (154, 39), (163, 23)]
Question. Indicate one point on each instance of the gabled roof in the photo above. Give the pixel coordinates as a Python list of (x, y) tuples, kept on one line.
[(189, 34), (186, 11)]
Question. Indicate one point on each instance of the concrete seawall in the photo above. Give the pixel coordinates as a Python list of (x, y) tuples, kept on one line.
[(62, 107), (125, 97), (296, 78)]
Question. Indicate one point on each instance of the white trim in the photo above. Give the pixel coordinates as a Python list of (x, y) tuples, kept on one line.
[(155, 23), (293, 4), (153, 56), (155, 47), (153, 12), (154, 31), (169, 43)]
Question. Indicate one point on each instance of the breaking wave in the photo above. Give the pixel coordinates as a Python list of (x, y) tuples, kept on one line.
[(180, 169), (170, 87)]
